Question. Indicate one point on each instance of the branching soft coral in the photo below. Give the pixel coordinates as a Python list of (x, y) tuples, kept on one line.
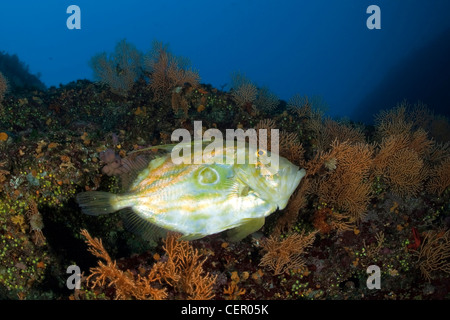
[(330, 130), (182, 269), (440, 178), (393, 121), (119, 70), (434, 253), (168, 72), (399, 162), (125, 284), (289, 143), (286, 254), (188, 266), (341, 177), (325, 220)]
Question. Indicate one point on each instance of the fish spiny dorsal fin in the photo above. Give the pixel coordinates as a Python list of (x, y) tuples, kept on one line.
[(169, 147), (165, 147), (132, 168)]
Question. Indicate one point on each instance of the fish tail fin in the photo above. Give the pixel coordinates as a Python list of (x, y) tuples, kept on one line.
[(96, 203)]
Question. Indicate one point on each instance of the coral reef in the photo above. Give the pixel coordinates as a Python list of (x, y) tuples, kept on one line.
[(372, 195)]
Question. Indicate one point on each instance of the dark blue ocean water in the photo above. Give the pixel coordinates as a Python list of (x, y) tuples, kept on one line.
[(315, 48)]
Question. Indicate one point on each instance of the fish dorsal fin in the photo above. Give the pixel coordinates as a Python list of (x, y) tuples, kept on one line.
[(142, 227), (247, 227), (169, 147), (165, 147), (131, 170)]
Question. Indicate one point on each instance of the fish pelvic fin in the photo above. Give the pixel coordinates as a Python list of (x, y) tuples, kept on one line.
[(96, 203), (192, 236), (248, 226)]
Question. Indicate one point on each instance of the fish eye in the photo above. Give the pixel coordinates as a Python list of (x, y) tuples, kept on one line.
[(208, 176), (261, 152)]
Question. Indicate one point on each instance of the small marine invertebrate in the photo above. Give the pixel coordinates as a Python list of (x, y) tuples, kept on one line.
[(325, 220), (405, 172), (286, 254), (320, 220), (3, 136), (179, 101), (200, 108), (300, 105), (374, 248), (122, 167), (36, 223), (417, 240), (3, 174), (233, 292)]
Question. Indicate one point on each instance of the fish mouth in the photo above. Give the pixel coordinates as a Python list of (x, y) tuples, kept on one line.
[(276, 189), (289, 182)]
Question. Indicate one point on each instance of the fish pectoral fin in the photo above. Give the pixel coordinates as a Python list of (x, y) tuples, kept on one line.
[(235, 188), (249, 226), (140, 226)]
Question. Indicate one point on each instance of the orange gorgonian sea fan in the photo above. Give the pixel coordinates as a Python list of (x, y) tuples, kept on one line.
[(182, 270), (399, 162), (168, 72), (440, 178), (286, 254), (342, 177)]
